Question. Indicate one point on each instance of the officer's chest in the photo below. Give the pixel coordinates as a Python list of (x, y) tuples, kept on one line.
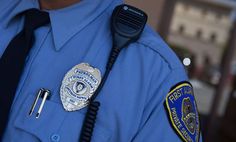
[(122, 98)]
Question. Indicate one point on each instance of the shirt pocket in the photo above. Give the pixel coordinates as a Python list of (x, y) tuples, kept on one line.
[(54, 124)]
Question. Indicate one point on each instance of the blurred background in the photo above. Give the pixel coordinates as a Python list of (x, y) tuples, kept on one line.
[(203, 34)]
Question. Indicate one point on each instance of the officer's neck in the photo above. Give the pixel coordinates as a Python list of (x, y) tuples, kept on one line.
[(56, 4)]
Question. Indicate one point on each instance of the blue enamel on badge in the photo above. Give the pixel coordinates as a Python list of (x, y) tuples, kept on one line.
[(183, 112)]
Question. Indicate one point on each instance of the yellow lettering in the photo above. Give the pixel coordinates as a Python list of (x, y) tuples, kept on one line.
[(185, 134), (176, 95), (172, 98), (176, 119), (188, 91)]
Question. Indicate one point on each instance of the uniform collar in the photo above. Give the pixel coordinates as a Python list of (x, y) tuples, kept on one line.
[(68, 21)]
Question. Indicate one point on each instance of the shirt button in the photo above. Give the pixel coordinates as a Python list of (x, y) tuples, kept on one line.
[(55, 138)]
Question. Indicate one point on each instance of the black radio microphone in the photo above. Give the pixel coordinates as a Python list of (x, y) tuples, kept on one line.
[(127, 25)]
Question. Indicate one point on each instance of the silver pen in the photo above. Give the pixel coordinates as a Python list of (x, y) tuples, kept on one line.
[(40, 92), (46, 94)]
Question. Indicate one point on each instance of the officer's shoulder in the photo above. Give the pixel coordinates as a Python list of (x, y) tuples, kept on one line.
[(152, 41)]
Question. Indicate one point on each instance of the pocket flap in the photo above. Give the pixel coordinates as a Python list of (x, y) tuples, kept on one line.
[(55, 124)]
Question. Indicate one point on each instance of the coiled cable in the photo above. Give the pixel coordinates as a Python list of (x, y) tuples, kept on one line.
[(89, 122)]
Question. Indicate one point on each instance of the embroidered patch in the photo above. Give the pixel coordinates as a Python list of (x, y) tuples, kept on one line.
[(183, 112)]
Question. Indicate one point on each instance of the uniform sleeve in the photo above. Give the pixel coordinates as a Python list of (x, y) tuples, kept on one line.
[(156, 125)]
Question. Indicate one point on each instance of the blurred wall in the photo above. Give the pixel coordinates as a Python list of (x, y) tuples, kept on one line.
[(205, 19), (202, 28), (152, 7)]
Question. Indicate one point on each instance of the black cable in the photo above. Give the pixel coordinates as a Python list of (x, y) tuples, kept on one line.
[(89, 122), (113, 56), (91, 115), (124, 32)]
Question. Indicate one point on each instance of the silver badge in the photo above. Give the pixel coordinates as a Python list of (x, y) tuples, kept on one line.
[(78, 85)]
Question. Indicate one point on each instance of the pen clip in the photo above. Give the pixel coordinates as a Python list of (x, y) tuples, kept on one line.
[(40, 92), (45, 95)]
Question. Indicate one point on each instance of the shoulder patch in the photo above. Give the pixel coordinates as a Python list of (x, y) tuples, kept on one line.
[(183, 113)]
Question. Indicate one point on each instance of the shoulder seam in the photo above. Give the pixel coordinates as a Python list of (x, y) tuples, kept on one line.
[(147, 44)]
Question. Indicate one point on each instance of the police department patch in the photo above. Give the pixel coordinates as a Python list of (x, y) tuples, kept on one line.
[(183, 112)]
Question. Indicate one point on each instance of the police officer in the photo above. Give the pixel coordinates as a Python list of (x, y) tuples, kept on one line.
[(53, 57)]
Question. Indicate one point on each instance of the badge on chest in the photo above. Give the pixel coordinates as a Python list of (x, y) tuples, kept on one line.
[(78, 86)]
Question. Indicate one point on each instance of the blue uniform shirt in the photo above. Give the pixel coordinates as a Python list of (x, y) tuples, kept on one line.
[(132, 99)]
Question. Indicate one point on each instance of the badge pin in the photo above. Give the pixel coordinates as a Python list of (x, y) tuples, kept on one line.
[(78, 86)]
